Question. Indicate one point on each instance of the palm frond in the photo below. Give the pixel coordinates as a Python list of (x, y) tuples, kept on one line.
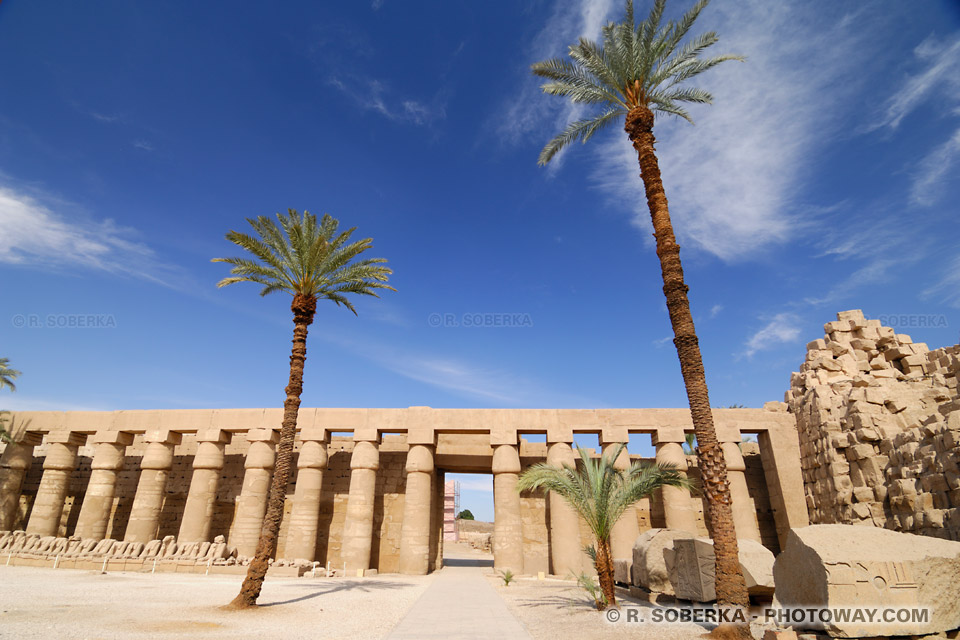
[(303, 256), (581, 130), (633, 64)]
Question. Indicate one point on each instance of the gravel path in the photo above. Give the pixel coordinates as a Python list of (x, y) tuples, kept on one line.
[(553, 609), (46, 603)]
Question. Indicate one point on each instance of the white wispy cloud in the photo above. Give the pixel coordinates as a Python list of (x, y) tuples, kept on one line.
[(783, 327), (939, 76), (947, 289), (715, 310), (528, 113), (140, 143), (36, 234), (372, 95), (934, 170), (734, 179)]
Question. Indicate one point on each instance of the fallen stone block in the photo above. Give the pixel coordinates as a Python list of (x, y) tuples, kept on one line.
[(691, 563), (649, 567), (839, 566)]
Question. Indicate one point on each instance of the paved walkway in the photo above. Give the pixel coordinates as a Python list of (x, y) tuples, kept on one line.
[(460, 604)]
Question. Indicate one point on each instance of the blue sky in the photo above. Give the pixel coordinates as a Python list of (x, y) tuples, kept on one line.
[(134, 135)]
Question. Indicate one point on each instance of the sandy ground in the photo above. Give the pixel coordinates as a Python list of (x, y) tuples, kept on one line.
[(44, 603), (554, 609)]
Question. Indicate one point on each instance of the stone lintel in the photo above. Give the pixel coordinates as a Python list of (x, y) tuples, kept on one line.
[(218, 436), (163, 436), (135, 421), (421, 435), (263, 435), (71, 438), (237, 420), (669, 434), (579, 419), (188, 420), (88, 422), (112, 437)]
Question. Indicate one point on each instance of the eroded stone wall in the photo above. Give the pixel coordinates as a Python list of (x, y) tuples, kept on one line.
[(878, 418)]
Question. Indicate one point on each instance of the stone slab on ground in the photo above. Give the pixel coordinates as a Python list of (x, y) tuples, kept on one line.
[(837, 565), (691, 563), (649, 567)]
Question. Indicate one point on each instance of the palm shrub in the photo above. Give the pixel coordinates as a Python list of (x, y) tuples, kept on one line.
[(638, 72), (311, 260), (601, 493)]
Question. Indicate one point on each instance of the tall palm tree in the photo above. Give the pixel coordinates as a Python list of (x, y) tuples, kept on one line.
[(639, 70), (311, 261), (7, 375), (601, 493)]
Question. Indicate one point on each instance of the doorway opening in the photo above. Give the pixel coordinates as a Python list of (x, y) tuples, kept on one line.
[(468, 520)]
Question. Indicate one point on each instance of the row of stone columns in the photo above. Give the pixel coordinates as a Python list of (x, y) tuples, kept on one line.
[(564, 526)]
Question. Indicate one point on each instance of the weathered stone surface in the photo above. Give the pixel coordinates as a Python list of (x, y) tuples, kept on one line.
[(621, 571), (842, 566), (649, 567), (691, 564), (865, 429)]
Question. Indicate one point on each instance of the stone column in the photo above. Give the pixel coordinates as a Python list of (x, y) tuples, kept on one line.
[(202, 497), (144, 523), (14, 463), (566, 555), (358, 527), (57, 467), (252, 503), (305, 513), (111, 447), (744, 510), (678, 509), (626, 529), (417, 503), (507, 524)]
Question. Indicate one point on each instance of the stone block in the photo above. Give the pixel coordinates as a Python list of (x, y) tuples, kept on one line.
[(838, 566), (649, 566), (692, 563), (621, 571)]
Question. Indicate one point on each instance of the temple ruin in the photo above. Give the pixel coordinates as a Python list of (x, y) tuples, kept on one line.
[(368, 490)]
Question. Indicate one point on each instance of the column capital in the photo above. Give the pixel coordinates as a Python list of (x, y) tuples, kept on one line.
[(29, 439), (366, 455), (420, 458), (366, 434), (263, 435), (613, 434), (668, 434), (112, 437), (217, 436), (503, 436), (559, 433), (314, 434), (506, 459), (162, 436), (421, 435), (733, 456), (69, 438)]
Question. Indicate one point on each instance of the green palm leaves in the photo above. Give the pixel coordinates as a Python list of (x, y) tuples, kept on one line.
[(597, 490), (636, 64), (7, 375), (305, 256)]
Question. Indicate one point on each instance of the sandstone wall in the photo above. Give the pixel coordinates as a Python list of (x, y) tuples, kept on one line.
[(878, 418)]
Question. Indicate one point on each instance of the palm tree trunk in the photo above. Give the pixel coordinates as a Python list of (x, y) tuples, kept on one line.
[(304, 308), (604, 565), (730, 585)]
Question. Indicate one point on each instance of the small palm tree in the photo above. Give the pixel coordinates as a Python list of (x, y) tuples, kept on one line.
[(636, 72), (601, 493), (311, 261), (7, 375)]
